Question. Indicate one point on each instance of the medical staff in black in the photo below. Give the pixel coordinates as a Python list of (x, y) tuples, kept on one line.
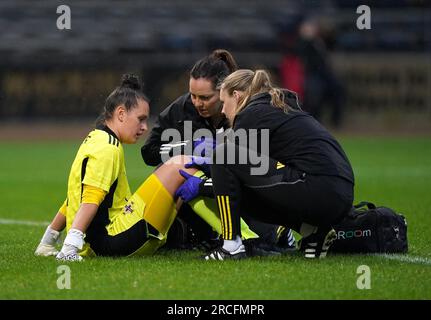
[(308, 184), (201, 107)]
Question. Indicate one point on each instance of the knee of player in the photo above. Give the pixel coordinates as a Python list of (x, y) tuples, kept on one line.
[(178, 161)]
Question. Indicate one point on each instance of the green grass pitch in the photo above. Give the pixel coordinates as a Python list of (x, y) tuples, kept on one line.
[(395, 172)]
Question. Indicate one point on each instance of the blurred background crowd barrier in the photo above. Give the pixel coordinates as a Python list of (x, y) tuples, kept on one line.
[(313, 47)]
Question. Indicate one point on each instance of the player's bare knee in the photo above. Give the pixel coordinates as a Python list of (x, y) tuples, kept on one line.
[(178, 161)]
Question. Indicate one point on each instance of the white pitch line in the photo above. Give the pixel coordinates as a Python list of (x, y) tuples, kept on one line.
[(24, 222), (405, 258)]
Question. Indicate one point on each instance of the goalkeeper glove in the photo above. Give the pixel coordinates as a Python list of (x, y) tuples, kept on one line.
[(72, 244), (47, 244)]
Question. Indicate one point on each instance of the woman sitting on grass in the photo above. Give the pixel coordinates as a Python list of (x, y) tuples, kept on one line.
[(100, 214)]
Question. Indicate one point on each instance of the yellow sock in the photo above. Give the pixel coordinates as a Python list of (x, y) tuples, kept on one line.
[(160, 209)]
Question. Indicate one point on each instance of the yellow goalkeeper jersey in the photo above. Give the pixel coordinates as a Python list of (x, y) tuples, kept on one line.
[(99, 163)]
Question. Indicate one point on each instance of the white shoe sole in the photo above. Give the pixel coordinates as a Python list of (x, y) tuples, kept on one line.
[(310, 253), (329, 240)]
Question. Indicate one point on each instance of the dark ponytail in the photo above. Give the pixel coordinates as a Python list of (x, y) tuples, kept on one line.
[(127, 95), (226, 57), (215, 67)]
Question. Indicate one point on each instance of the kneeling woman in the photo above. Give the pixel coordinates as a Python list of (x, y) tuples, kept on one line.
[(99, 205), (309, 182)]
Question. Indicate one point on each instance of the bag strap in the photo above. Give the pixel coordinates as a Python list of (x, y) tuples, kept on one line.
[(361, 204), (353, 213)]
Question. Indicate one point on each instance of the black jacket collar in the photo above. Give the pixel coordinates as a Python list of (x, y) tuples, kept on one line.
[(290, 99), (264, 97)]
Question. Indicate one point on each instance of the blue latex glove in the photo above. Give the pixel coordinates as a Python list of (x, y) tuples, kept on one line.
[(190, 188), (204, 146), (200, 163)]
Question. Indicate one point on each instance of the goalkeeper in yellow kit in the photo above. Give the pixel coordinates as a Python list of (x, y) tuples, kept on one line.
[(100, 214)]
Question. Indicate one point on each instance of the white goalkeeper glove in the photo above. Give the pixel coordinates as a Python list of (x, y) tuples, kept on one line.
[(72, 244), (46, 246)]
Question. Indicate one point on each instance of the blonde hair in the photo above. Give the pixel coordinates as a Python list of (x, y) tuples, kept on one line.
[(252, 83)]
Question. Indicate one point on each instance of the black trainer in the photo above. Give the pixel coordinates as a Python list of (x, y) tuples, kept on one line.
[(317, 244), (222, 254)]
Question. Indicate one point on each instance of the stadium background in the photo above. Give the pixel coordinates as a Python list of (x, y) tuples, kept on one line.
[(55, 75), (54, 82)]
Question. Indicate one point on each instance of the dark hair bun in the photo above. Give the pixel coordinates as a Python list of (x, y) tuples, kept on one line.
[(131, 81), (226, 57)]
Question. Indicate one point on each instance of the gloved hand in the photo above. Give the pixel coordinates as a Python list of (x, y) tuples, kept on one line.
[(204, 146), (200, 163), (72, 256), (73, 242), (69, 253), (47, 245), (46, 250), (190, 188)]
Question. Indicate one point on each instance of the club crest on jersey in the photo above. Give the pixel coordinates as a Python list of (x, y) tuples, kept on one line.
[(128, 208)]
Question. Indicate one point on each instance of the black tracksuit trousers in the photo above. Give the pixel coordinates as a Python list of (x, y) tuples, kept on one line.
[(283, 195)]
